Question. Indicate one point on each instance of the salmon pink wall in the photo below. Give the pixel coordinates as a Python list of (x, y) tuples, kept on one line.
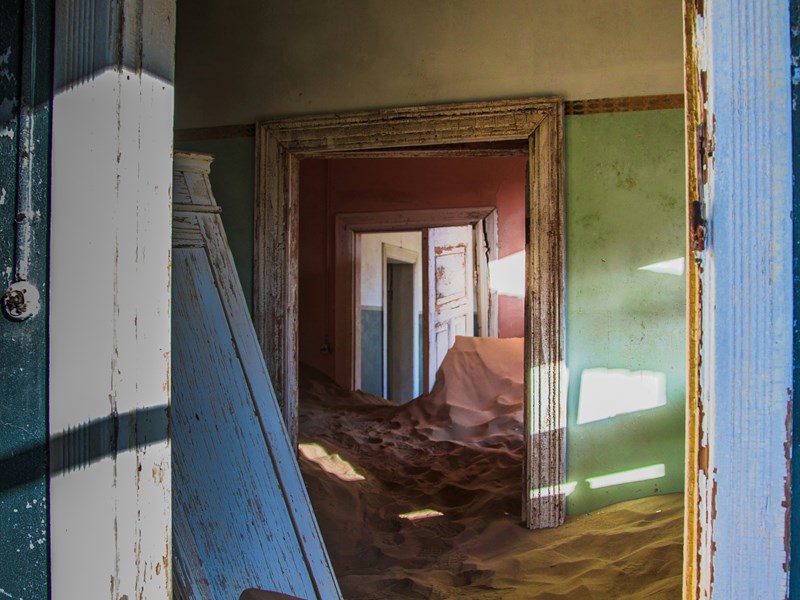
[(328, 187)]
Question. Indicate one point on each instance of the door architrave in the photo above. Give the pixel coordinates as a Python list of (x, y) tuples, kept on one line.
[(282, 143)]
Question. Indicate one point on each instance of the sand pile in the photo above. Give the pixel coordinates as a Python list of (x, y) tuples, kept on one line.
[(423, 500)]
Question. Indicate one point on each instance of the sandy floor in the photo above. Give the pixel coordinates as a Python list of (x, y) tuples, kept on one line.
[(373, 469)]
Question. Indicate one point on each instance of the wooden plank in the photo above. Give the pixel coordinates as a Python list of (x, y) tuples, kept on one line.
[(110, 517), (741, 87), (589, 106), (242, 516), (231, 525), (544, 503)]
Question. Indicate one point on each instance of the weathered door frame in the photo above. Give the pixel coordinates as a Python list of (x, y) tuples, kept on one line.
[(538, 122), (739, 206), (347, 329)]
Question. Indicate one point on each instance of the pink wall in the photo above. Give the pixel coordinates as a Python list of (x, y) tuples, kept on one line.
[(328, 187)]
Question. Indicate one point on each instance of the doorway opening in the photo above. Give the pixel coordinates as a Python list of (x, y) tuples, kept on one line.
[(400, 381), (532, 128), (419, 289), (389, 314)]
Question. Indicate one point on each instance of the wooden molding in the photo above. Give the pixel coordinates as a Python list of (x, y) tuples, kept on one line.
[(498, 148), (539, 122), (623, 104)]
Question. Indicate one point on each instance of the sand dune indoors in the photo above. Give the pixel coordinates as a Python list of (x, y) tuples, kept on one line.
[(436, 514)]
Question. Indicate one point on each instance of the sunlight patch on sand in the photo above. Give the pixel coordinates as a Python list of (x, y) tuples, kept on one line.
[(331, 463), (423, 513)]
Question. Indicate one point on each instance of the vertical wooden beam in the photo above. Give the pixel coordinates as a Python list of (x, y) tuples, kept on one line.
[(695, 240), (110, 299), (275, 298), (741, 232), (544, 503)]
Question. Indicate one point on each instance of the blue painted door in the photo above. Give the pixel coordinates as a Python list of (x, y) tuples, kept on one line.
[(25, 98)]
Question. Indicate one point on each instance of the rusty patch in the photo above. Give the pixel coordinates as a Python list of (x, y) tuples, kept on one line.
[(697, 228)]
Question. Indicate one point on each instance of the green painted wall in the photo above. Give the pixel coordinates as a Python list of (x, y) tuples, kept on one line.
[(625, 198), (625, 191)]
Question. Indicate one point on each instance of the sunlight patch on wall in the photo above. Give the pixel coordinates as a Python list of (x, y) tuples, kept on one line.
[(554, 490), (507, 275), (675, 266), (631, 476), (330, 463), (606, 393)]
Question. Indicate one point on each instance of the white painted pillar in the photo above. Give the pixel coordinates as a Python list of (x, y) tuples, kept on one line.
[(110, 299)]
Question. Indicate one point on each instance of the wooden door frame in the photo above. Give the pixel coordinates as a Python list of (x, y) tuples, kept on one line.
[(347, 329), (740, 298), (416, 131)]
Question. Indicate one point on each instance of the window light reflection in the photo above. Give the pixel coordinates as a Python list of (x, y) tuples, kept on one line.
[(631, 476), (507, 275), (554, 490), (676, 266), (605, 393)]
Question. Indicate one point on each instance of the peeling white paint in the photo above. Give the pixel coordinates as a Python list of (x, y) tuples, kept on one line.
[(7, 132), (3, 195)]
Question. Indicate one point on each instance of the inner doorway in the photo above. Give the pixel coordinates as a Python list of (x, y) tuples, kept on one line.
[(418, 291), (400, 321)]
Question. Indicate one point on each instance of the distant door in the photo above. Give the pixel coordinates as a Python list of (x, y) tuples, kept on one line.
[(400, 326), (448, 292)]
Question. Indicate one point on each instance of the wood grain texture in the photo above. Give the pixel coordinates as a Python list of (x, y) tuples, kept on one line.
[(589, 106), (741, 101), (545, 373), (109, 330), (695, 237), (280, 144), (242, 518)]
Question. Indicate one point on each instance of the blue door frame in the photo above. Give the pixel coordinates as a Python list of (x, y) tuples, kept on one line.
[(794, 584), (25, 99)]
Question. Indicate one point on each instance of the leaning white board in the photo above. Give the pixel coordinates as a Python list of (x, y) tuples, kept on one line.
[(241, 515)]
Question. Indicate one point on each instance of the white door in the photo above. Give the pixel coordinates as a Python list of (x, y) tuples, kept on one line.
[(449, 292)]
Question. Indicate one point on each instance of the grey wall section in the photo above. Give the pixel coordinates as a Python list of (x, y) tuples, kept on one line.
[(372, 350), (233, 184), (242, 60)]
